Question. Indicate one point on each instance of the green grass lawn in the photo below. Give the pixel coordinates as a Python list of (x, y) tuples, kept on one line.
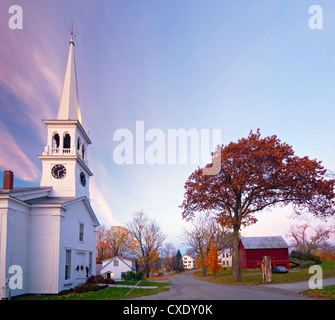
[(254, 277), (106, 294)]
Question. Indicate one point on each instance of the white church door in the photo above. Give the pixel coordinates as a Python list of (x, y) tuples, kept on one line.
[(81, 266)]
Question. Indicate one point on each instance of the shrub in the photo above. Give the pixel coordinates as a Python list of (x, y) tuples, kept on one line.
[(127, 276), (86, 287), (139, 275), (305, 257), (99, 279), (91, 279), (160, 273), (130, 275), (107, 281)]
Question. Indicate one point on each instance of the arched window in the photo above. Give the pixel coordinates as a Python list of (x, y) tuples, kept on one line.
[(55, 141), (78, 144), (67, 141), (83, 152)]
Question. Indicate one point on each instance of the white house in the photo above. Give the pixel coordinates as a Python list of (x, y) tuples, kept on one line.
[(48, 233), (226, 258), (188, 262), (114, 267)]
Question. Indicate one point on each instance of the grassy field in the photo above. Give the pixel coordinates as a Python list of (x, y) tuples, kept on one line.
[(105, 294), (327, 293), (254, 277)]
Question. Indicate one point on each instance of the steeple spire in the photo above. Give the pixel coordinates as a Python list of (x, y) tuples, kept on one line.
[(69, 108)]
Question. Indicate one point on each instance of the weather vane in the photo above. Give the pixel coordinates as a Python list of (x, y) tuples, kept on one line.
[(73, 32)]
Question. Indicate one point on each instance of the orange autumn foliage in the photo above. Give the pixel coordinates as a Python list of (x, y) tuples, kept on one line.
[(212, 260)]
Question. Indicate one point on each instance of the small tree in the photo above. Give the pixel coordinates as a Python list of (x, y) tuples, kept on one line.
[(168, 252), (204, 232), (149, 240), (212, 260), (309, 243), (101, 244), (178, 262)]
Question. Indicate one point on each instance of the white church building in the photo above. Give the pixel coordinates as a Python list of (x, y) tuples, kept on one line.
[(48, 233)]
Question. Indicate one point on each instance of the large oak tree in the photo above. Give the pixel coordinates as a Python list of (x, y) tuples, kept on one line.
[(256, 173)]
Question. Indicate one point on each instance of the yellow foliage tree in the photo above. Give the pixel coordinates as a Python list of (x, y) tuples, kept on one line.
[(212, 259)]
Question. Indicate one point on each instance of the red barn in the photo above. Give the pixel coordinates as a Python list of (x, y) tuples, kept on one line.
[(252, 250)]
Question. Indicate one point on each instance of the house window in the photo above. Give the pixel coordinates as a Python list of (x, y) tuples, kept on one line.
[(81, 232), (90, 262), (116, 263), (67, 264)]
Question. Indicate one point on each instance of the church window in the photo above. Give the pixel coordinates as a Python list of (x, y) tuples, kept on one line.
[(81, 232), (116, 263), (67, 141), (67, 264), (78, 144), (55, 141), (83, 152)]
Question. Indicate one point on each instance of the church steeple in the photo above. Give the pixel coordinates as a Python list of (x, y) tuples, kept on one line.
[(69, 107), (64, 160)]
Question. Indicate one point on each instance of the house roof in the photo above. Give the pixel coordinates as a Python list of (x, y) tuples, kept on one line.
[(276, 242), (124, 260)]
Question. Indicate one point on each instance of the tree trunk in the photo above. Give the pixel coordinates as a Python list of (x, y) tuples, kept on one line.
[(203, 267), (266, 269), (204, 270), (146, 267), (236, 267)]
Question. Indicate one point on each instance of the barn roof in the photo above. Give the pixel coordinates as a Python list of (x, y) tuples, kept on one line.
[(264, 242)]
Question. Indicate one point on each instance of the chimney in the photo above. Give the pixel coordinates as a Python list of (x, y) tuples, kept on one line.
[(8, 181)]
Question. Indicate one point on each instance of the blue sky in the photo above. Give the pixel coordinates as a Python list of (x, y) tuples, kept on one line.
[(230, 65)]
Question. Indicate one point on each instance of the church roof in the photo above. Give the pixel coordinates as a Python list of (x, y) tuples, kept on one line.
[(23, 194), (20, 190), (69, 108), (50, 200), (37, 196)]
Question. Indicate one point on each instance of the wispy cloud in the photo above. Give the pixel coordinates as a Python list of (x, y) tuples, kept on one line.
[(31, 70), (101, 205), (13, 158)]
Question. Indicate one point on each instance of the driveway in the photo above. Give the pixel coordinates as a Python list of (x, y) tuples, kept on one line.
[(185, 287)]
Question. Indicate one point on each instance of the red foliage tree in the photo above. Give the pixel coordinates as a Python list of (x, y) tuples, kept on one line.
[(257, 173)]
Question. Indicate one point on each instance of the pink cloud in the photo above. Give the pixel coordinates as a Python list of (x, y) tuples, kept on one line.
[(13, 158), (30, 68)]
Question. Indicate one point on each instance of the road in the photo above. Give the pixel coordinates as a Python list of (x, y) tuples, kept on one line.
[(185, 287)]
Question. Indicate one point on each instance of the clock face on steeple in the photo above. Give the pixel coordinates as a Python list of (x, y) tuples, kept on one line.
[(58, 171), (82, 179)]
